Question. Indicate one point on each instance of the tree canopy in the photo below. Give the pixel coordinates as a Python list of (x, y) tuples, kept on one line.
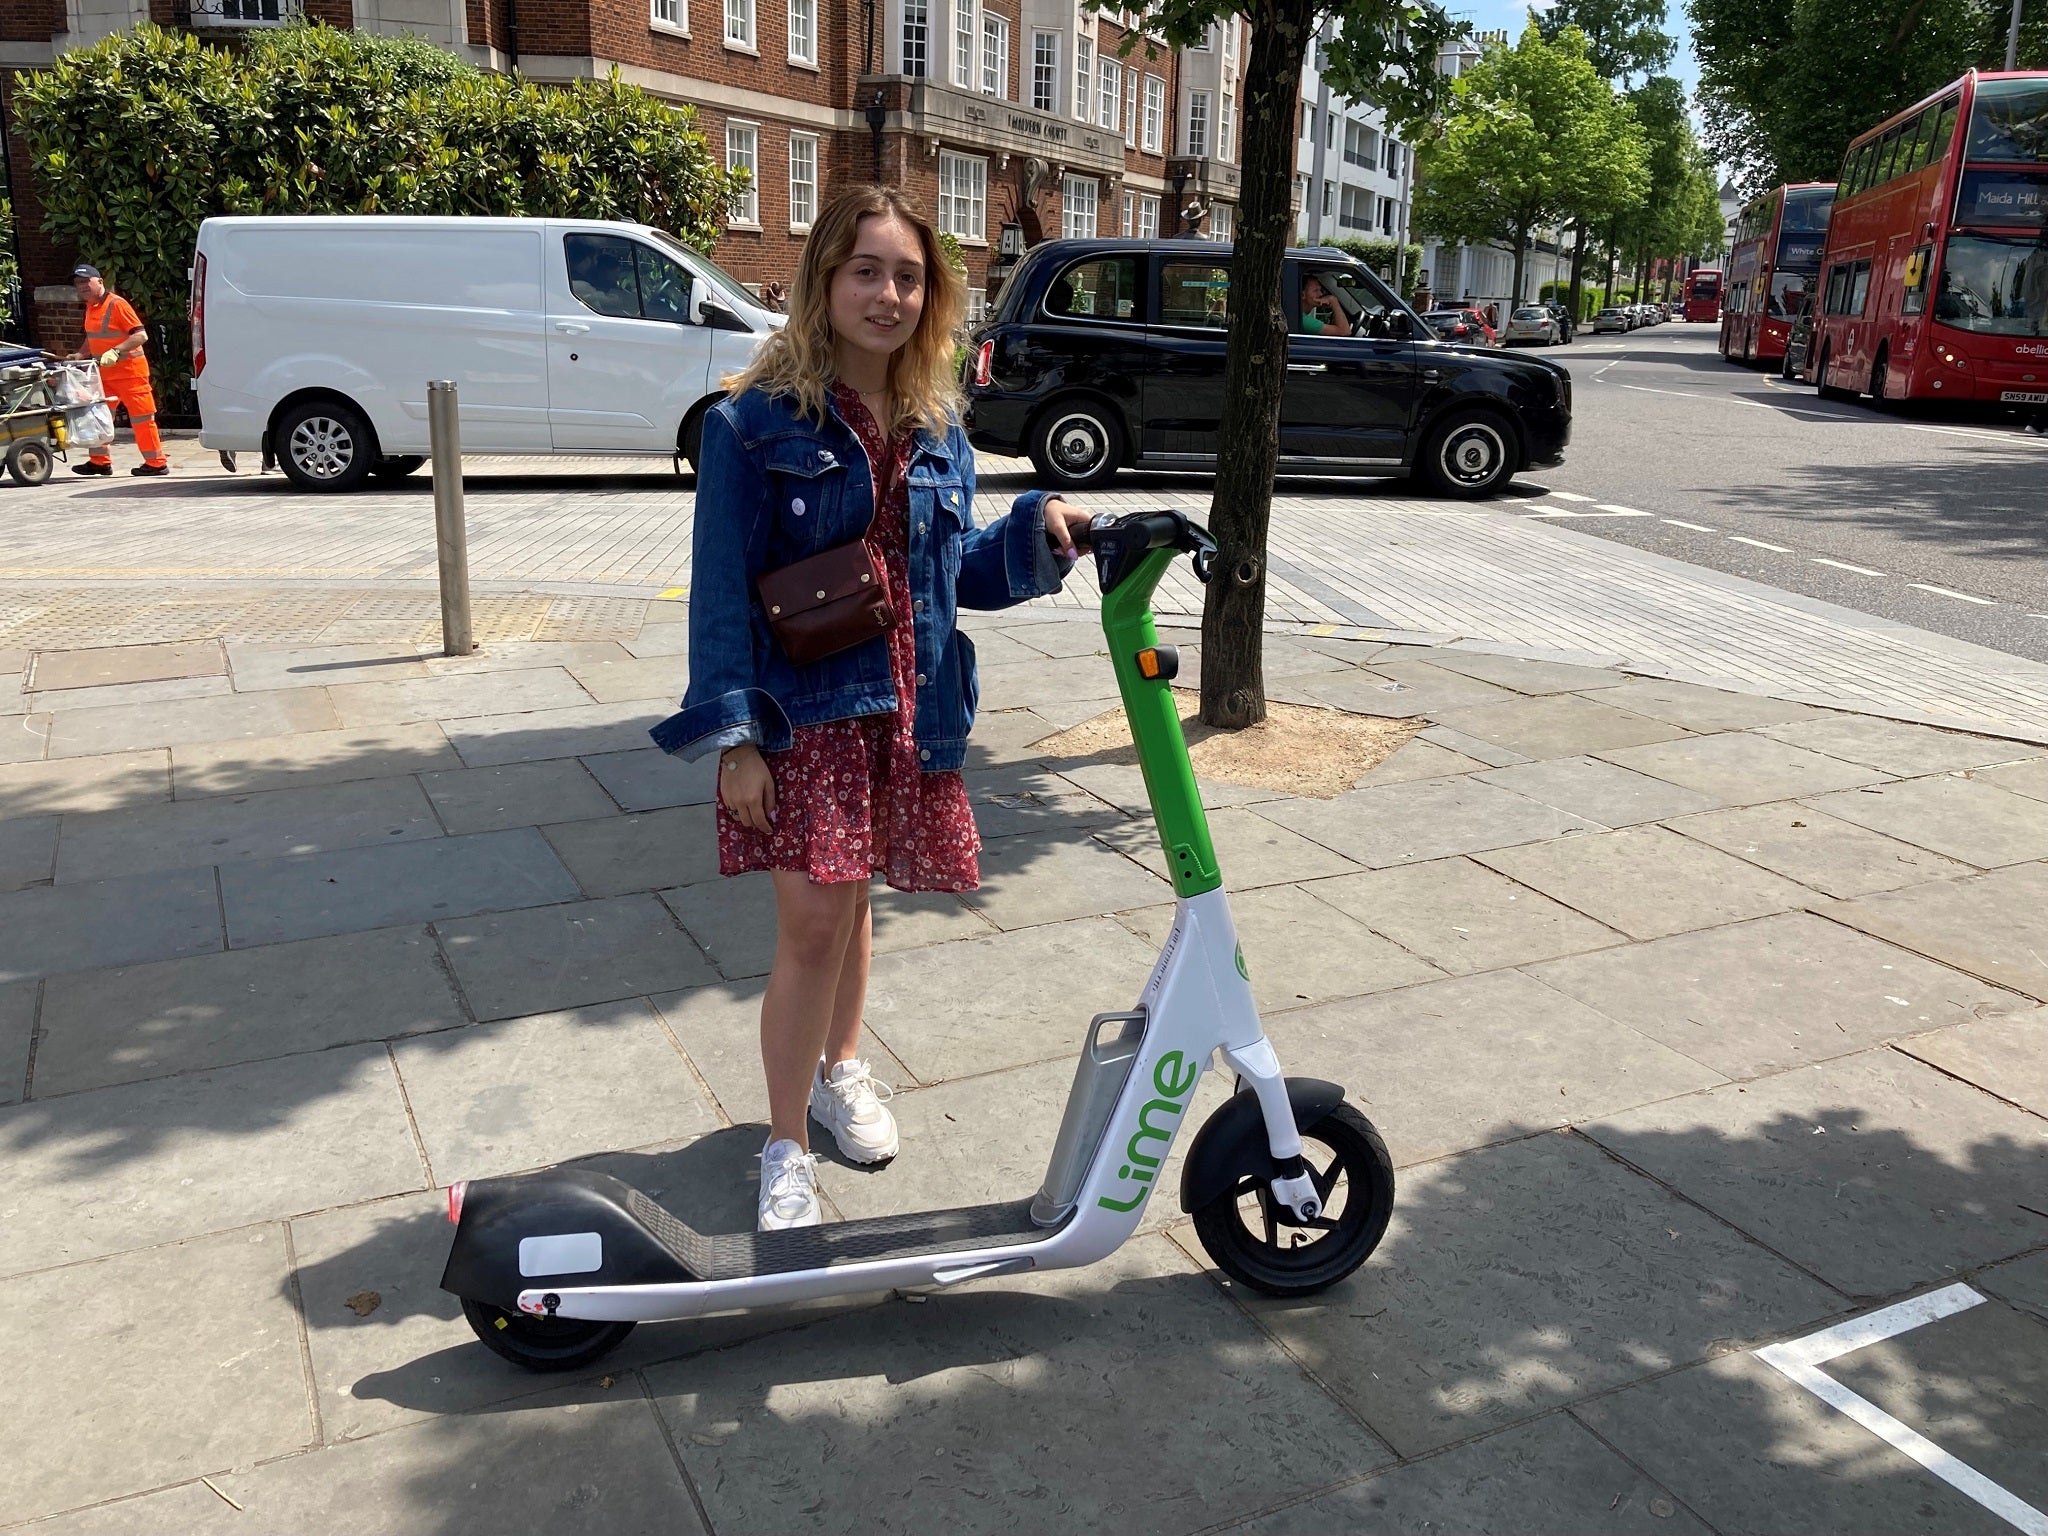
[(1623, 37)]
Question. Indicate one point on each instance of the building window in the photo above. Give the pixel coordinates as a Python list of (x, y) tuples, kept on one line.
[(995, 56), (1357, 212), (1077, 207), (1155, 113), (1084, 75), (669, 13), (742, 153), (963, 43), (1208, 33), (1109, 102), (963, 196), (1148, 218), (1130, 224), (977, 305), (1226, 129), (1386, 215), (803, 179), (739, 23), (916, 37), (1329, 198), (1222, 222), (1198, 123), (1130, 109), (247, 13), (1045, 71), (803, 31)]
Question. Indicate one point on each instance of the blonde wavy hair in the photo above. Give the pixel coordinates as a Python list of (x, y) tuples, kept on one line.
[(800, 359)]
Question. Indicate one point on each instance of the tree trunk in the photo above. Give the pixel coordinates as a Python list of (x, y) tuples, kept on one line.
[(1254, 371), (1578, 271), (1521, 261)]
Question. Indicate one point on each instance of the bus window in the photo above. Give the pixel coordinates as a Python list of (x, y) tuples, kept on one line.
[(1996, 284), (2010, 121), (1789, 293), (1893, 143), (1919, 265), (1923, 140), (1945, 127), (1838, 285), (1859, 288)]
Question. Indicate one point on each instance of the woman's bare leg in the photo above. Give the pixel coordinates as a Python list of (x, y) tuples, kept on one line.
[(814, 927), (842, 1041)]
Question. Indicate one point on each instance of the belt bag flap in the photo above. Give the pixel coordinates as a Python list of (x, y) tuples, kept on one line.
[(824, 604)]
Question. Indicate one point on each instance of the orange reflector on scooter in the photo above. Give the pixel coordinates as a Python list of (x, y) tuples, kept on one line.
[(1159, 662)]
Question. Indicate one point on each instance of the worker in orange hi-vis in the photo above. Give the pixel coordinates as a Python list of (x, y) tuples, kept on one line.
[(114, 336)]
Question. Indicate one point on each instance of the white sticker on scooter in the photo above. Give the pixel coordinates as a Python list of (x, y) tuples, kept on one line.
[(561, 1253)]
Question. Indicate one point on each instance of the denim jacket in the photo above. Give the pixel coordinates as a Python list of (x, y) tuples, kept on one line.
[(774, 487)]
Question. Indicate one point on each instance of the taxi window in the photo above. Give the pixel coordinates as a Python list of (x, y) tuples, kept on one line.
[(1339, 301), (1100, 288), (1194, 293)]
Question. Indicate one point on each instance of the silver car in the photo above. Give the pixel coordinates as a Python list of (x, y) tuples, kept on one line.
[(1531, 325), (1612, 321)]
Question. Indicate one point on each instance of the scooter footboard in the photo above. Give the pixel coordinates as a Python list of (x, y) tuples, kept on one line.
[(567, 1227)]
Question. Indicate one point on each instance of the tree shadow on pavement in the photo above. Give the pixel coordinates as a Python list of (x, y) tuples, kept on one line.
[(1988, 505)]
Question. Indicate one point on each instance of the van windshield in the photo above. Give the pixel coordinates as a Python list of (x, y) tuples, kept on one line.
[(721, 282)]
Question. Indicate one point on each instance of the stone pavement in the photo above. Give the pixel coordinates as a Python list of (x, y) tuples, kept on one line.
[(1695, 1020)]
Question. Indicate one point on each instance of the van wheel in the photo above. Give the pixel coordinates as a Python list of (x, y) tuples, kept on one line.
[(324, 445), (1077, 445), (391, 471), (1467, 454), (690, 442)]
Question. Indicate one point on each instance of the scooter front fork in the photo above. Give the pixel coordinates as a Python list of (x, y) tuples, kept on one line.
[(1258, 1066)]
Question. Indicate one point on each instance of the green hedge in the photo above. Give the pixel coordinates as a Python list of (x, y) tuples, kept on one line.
[(134, 141)]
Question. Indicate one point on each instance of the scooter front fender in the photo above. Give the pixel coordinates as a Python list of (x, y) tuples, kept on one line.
[(1233, 1142), (565, 1228)]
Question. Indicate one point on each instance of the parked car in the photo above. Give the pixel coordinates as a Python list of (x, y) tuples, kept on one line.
[(1613, 321), (1798, 341), (1108, 354), (1674, 310), (313, 339), (1462, 325), (1566, 326), (1531, 325)]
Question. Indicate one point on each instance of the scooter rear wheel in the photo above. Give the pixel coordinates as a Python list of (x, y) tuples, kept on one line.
[(1259, 1243), (543, 1343)]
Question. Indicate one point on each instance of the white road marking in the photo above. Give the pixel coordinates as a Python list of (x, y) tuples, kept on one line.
[(1695, 527), (1776, 549), (1949, 592), (1570, 496), (1800, 1360), (1843, 565), (1608, 506)]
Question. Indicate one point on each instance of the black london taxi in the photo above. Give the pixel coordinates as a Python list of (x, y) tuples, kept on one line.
[(1103, 355)]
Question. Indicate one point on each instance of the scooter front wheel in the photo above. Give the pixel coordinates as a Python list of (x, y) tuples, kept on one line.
[(1260, 1243), (543, 1343)]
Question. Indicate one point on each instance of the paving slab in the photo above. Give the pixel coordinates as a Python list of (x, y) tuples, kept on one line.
[(1992, 926), (516, 795), (1427, 819), (1049, 877), (28, 851), (996, 648), (1299, 949), (524, 656), (632, 678), (734, 920), (231, 717), (1522, 674), (2023, 1282), (1462, 917), (191, 834), (1757, 1455), (1965, 819), (1252, 850), (1064, 711), (315, 757), (1741, 768), (1401, 690), (578, 731), (1079, 1401), (126, 664), (1556, 725), (1001, 736), (1419, 759), (1451, 1065), (23, 737), (260, 667), (648, 779), (1044, 683), (1598, 791), (1010, 801), (1486, 754), (1061, 640), (2006, 1055), (1647, 881), (2029, 779), (526, 1093), (1896, 747), (542, 958), (953, 1010), (1874, 1172), (1836, 857), (1549, 1478), (214, 1010), (107, 783), (1525, 1277), (125, 1167), (48, 928), (1776, 993), (54, 701), (659, 640), (271, 900), (456, 698), (17, 1033), (613, 855), (1123, 786), (222, 1387), (1700, 709)]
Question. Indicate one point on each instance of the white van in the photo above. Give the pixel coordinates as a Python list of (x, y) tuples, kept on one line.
[(313, 339)]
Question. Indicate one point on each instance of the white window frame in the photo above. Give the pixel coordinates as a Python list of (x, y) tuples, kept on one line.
[(1129, 226), (803, 33), (1109, 96), (1226, 129), (1198, 125), (1207, 33), (807, 204), (743, 151), (1045, 71), (1130, 109), (963, 196), (1155, 113), (1229, 41), (743, 12), (1148, 216), (966, 45), (995, 56), (1080, 196), (669, 16), (1222, 221), (1084, 77), (916, 56)]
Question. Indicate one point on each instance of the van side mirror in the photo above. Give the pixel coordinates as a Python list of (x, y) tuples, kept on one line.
[(700, 297)]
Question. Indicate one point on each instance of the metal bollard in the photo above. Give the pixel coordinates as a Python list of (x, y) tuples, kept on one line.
[(451, 536)]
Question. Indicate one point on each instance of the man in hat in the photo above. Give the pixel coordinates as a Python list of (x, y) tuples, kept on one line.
[(114, 337)]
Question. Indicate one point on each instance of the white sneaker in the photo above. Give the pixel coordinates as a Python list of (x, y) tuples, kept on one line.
[(789, 1187), (848, 1103)]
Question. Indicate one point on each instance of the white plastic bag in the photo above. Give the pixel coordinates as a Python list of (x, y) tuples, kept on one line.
[(92, 426), (78, 384)]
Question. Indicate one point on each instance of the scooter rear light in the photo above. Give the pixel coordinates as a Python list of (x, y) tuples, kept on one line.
[(984, 361), (455, 1194)]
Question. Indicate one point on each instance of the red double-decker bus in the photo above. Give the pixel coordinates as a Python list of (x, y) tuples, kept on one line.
[(1934, 279), (1703, 295), (1772, 268)]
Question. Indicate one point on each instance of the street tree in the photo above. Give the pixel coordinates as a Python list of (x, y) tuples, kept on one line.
[(1623, 37), (1533, 135), (1381, 50), (1662, 219)]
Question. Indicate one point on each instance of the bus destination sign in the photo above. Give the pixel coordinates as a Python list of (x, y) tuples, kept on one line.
[(1999, 197)]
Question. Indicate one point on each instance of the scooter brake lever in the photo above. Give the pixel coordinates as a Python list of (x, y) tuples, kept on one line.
[(1205, 559)]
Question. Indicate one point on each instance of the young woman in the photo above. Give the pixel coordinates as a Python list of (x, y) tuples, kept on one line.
[(843, 429)]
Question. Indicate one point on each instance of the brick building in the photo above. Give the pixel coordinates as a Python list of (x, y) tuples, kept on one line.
[(1024, 116)]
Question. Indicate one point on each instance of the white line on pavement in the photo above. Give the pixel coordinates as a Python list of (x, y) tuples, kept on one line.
[(1801, 1359), (1608, 506), (1843, 565), (1695, 527), (1570, 496), (1776, 549), (1948, 592)]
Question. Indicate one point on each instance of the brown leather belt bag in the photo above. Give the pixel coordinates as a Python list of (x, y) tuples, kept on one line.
[(821, 606)]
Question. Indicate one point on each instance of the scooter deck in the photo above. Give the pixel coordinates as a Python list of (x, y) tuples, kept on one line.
[(745, 1255)]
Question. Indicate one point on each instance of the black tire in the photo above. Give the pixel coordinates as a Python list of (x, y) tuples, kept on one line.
[(1878, 370), (30, 462), (1350, 1167), (1470, 452), (391, 471), (690, 441), (543, 1343), (1829, 391), (1077, 445), (324, 445)]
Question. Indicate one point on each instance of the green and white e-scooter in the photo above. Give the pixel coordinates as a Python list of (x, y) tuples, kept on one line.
[(1290, 1187)]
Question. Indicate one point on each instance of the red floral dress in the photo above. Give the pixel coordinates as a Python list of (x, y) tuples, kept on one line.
[(850, 798)]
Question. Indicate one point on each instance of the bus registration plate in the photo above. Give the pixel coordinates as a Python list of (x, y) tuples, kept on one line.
[(2024, 396)]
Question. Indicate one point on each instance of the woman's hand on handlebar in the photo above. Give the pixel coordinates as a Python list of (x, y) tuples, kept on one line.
[(746, 787), (1061, 519)]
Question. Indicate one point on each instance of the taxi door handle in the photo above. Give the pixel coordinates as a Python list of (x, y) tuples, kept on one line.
[(1308, 368)]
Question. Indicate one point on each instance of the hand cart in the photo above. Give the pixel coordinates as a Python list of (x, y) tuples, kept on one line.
[(46, 405)]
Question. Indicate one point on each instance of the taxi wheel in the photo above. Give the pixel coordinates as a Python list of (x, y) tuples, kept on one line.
[(1077, 445)]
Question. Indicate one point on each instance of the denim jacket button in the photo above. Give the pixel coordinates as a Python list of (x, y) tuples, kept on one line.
[(797, 506), (924, 754), (918, 606), (920, 679)]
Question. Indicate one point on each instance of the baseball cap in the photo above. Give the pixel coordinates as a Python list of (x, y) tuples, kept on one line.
[(82, 270)]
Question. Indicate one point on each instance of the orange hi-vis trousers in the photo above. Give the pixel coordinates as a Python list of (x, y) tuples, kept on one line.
[(129, 384)]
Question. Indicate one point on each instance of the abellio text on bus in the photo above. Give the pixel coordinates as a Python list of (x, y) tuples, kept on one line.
[(1772, 269)]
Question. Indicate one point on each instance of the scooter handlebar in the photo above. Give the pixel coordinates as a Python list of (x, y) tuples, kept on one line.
[(1119, 543)]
